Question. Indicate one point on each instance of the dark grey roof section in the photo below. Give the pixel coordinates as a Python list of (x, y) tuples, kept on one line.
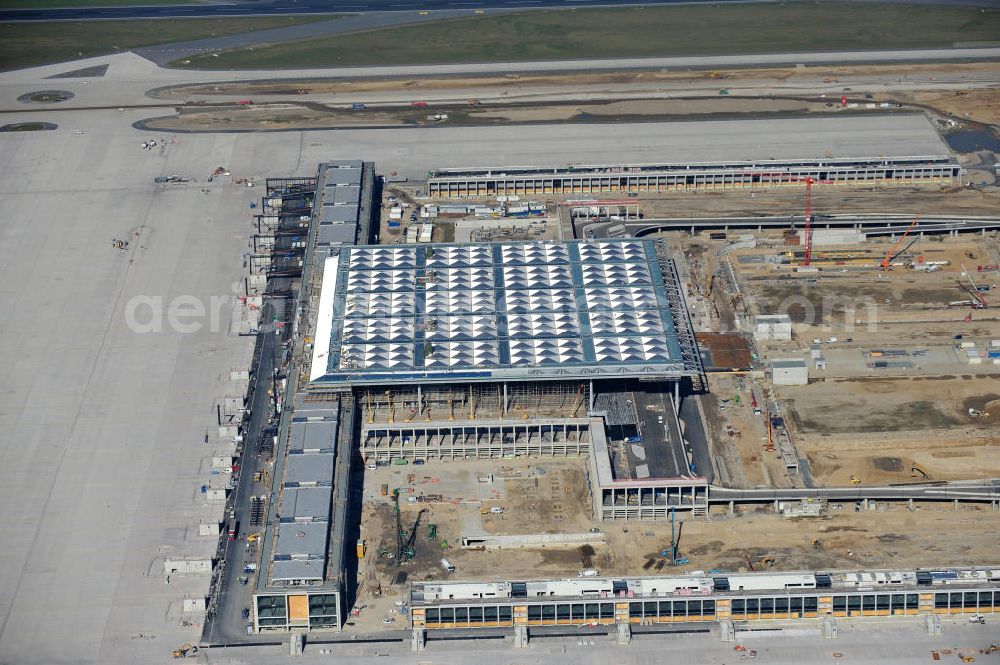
[(309, 469), (334, 214), (304, 536), (302, 540), (789, 363), (306, 504), (344, 233), (346, 195), (316, 436), (288, 570), (306, 408), (344, 164), (344, 176)]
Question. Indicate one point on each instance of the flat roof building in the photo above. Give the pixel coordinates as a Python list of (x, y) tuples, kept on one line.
[(789, 372), (773, 326), (501, 311)]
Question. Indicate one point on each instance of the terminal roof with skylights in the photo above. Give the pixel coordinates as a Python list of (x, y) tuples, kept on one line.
[(498, 311)]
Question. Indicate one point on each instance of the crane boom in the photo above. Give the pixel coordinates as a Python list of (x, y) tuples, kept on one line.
[(893, 251), (979, 301), (807, 232)]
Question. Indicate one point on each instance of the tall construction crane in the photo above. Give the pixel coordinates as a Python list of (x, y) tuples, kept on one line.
[(405, 548), (897, 247), (809, 182), (978, 301), (807, 231)]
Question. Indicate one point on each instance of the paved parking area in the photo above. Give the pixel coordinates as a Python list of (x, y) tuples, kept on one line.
[(103, 451)]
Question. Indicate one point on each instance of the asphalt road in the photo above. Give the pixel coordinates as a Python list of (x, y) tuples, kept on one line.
[(694, 435), (662, 443), (284, 7), (228, 623), (273, 7), (279, 7)]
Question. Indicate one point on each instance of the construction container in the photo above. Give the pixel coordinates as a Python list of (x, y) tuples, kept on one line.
[(453, 211), (967, 345), (361, 548), (384, 489), (393, 223)]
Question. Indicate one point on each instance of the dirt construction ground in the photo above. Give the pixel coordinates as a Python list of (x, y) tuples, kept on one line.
[(890, 422), (550, 495)]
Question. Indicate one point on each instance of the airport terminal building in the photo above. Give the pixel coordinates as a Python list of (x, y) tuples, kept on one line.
[(457, 351), (496, 350)]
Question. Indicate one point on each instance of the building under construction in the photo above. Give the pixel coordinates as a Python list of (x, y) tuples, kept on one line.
[(516, 349), (464, 351), (683, 176)]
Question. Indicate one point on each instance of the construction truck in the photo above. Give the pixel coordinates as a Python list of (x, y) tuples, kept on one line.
[(185, 650)]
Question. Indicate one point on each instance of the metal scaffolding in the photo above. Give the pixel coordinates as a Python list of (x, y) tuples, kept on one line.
[(467, 439), (516, 401)]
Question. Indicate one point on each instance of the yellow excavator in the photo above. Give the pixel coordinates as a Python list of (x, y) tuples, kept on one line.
[(854, 480)]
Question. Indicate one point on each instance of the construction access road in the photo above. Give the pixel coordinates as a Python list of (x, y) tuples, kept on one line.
[(985, 491)]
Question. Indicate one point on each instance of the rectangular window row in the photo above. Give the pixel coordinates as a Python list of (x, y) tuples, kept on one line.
[(671, 608), (871, 602), (740, 608), (574, 612), (488, 614), (967, 600), (779, 605)]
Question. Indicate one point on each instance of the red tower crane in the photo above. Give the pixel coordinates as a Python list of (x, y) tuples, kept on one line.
[(807, 231), (809, 182)]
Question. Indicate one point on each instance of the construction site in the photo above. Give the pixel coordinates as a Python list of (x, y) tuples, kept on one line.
[(538, 387)]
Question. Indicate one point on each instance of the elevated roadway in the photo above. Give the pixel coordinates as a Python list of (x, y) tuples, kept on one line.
[(870, 224), (982, 491)]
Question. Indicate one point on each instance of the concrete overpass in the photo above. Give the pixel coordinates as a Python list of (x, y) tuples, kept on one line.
[(869, 224), (974, 491)]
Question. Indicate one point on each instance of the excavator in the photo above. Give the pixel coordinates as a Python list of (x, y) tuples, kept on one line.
[(917, 471)]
